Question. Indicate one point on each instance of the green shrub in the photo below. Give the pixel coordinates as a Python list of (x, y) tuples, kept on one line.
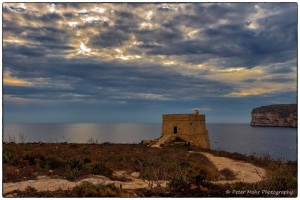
[(75, 164), (8, 156), (178, 182), (72, 174)]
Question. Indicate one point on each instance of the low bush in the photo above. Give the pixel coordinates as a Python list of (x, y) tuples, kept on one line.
[(8, 156), (87, 160), (55, 163), (31, 159), (87, 189), (75, 164), (228, 174), (101, 169), (10, 172), (72, 174)]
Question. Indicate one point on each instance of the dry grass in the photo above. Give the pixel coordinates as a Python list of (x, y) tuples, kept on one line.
[(188, 174), (75, 161)]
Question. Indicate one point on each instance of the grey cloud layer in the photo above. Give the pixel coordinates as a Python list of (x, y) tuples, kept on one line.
[(222, 37)]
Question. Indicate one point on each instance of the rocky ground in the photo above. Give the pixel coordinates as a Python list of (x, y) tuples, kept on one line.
[(124, 170)]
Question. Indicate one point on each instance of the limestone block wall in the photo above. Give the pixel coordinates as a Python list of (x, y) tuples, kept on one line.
[(200, 140)]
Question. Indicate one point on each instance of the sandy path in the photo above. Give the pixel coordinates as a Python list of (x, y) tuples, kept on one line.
[(245, 172), (44, 183)]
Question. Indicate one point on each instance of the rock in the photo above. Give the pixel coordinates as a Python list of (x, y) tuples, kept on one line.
[(155, 146), (149, 142), (45, 183), (9, 196), (135, 174), (50, 171), (42, 177), (146, 142), (282, 115), (118, 185)]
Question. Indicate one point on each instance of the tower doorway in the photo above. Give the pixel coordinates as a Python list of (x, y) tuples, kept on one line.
[(175, 130)]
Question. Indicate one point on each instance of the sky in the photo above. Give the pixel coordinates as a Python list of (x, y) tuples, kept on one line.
[(133, 62)]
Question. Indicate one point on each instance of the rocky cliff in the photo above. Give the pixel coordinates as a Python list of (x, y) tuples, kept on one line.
[(284, 115)]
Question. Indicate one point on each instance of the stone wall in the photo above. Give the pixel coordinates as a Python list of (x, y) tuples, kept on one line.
[(282, 115)]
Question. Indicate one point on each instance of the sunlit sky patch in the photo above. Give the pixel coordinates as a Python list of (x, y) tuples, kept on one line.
[(132, 62)]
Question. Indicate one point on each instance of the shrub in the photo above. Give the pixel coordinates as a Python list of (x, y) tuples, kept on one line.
[(22, 138), (8, 156), (201, 177), (228, 174), (10, 172), (92, 141), (178, 182), (87, 160), (87, 189), (75, 164), (72, 174), (184, 165), (55, 163), (30, 189), (101, 169), (31, 159)]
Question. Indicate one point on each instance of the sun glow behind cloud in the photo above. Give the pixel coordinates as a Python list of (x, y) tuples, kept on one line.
[(84, 49), (149, 52), (9, 80)]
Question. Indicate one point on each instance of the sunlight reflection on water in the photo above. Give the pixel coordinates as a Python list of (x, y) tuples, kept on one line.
[(242, 138)]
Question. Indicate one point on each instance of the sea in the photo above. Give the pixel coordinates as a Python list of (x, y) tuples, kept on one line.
[(276, 142)]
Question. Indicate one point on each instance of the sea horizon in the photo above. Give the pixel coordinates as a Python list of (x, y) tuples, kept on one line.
[(279, 142)]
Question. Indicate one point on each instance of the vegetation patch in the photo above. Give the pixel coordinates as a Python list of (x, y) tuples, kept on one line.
[(188, 174), (228, 174)]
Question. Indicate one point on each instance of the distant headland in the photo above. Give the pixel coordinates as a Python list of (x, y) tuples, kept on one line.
[(280, 115)]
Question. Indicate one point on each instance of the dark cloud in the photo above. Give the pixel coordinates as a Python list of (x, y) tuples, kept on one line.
[(68, 15), (16, 50), (109, 38), (124, 14), (163, 37), (98, 80), (18, 9), (217, 35), (50, 17), (245, 47)]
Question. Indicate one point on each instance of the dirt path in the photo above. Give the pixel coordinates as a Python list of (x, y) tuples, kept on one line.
[(45, 183), (244, 172)]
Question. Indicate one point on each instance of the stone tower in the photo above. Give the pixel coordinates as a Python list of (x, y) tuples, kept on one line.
[(188, 127)]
